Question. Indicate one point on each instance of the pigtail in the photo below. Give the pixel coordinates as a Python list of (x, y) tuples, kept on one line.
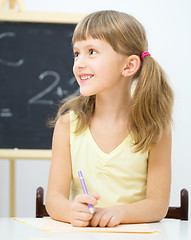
[(151, 105)]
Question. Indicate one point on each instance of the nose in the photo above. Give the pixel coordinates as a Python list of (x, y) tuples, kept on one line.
[(80, 62)]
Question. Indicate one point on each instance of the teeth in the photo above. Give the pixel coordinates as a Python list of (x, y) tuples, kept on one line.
[(85, 77)]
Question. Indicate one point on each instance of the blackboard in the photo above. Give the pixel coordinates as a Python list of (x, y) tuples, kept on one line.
[(35, 74)]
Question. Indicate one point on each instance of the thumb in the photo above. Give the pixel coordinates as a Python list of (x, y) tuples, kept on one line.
[(96, 195)]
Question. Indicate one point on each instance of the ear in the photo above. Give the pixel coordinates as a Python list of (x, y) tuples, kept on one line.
[(132, 66)]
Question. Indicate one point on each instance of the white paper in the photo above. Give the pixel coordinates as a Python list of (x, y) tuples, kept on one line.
[(50, 225)]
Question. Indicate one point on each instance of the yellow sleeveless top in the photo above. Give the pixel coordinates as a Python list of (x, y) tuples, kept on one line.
[(118, 177)]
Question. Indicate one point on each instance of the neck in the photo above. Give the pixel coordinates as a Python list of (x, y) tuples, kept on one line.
[(113, 106)]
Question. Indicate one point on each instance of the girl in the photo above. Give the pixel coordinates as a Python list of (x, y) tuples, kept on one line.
[(117, 131)]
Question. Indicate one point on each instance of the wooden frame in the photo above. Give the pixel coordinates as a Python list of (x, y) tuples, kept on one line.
[(12, 4), (22, 15)]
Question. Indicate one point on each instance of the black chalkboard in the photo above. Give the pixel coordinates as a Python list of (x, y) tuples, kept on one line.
[(35, 74)]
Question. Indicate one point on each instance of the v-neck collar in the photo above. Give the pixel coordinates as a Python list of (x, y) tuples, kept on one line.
[(115, 151)]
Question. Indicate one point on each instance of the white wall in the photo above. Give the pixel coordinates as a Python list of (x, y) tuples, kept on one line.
[(168, 26)]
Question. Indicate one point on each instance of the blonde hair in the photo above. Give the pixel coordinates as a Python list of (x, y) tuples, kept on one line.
[(152, 100)]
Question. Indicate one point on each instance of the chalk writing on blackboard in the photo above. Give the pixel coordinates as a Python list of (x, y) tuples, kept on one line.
[(5, 62), (37, 99)]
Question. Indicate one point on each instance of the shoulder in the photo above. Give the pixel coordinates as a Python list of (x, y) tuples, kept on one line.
[(165, 140), (62, 127), (63, 120), (68, 121)]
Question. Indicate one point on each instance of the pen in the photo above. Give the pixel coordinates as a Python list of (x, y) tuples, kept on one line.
[(85, 189)]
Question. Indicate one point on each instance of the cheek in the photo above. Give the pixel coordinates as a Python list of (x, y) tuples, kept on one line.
[(74, 69), (75, 73), (102, 69)]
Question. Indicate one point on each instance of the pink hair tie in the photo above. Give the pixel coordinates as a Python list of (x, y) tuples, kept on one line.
[(144, 54)]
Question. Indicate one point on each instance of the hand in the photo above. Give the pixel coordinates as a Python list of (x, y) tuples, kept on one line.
[(80, 213), (106, 217)]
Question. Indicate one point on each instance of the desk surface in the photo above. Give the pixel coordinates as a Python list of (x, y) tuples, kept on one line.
[(167, 229)]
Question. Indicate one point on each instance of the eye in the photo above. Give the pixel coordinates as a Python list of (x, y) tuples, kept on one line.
[(92, 51), (76, 54)]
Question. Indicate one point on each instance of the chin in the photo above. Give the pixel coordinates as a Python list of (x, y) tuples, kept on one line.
[(86, 93)]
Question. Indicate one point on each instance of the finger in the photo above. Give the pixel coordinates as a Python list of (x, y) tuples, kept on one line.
[(86, 198), (96, 196), (94, 222), (113, 222), (82, 216), (79, 223), (80, 207), (104, 220)]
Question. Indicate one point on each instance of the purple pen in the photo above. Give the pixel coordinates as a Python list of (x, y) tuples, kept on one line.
[(85, 189)]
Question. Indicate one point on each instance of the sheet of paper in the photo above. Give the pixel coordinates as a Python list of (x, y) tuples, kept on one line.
[(50, 225)]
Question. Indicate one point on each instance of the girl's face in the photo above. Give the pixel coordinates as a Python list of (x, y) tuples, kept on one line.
[(97, 67)]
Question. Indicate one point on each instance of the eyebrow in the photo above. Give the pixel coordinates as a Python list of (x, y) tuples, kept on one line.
[(87, 46)]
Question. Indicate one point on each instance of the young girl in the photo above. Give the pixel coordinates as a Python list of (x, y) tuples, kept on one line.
[(117, 132)]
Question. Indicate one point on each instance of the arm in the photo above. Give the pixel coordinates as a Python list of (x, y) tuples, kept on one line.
[(154, 207), (57, 203), (57, 200)]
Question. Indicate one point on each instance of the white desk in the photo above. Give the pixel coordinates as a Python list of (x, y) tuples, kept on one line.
[(168, 229)]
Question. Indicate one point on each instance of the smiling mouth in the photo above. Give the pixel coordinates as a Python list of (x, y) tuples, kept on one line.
[(85, 77)]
